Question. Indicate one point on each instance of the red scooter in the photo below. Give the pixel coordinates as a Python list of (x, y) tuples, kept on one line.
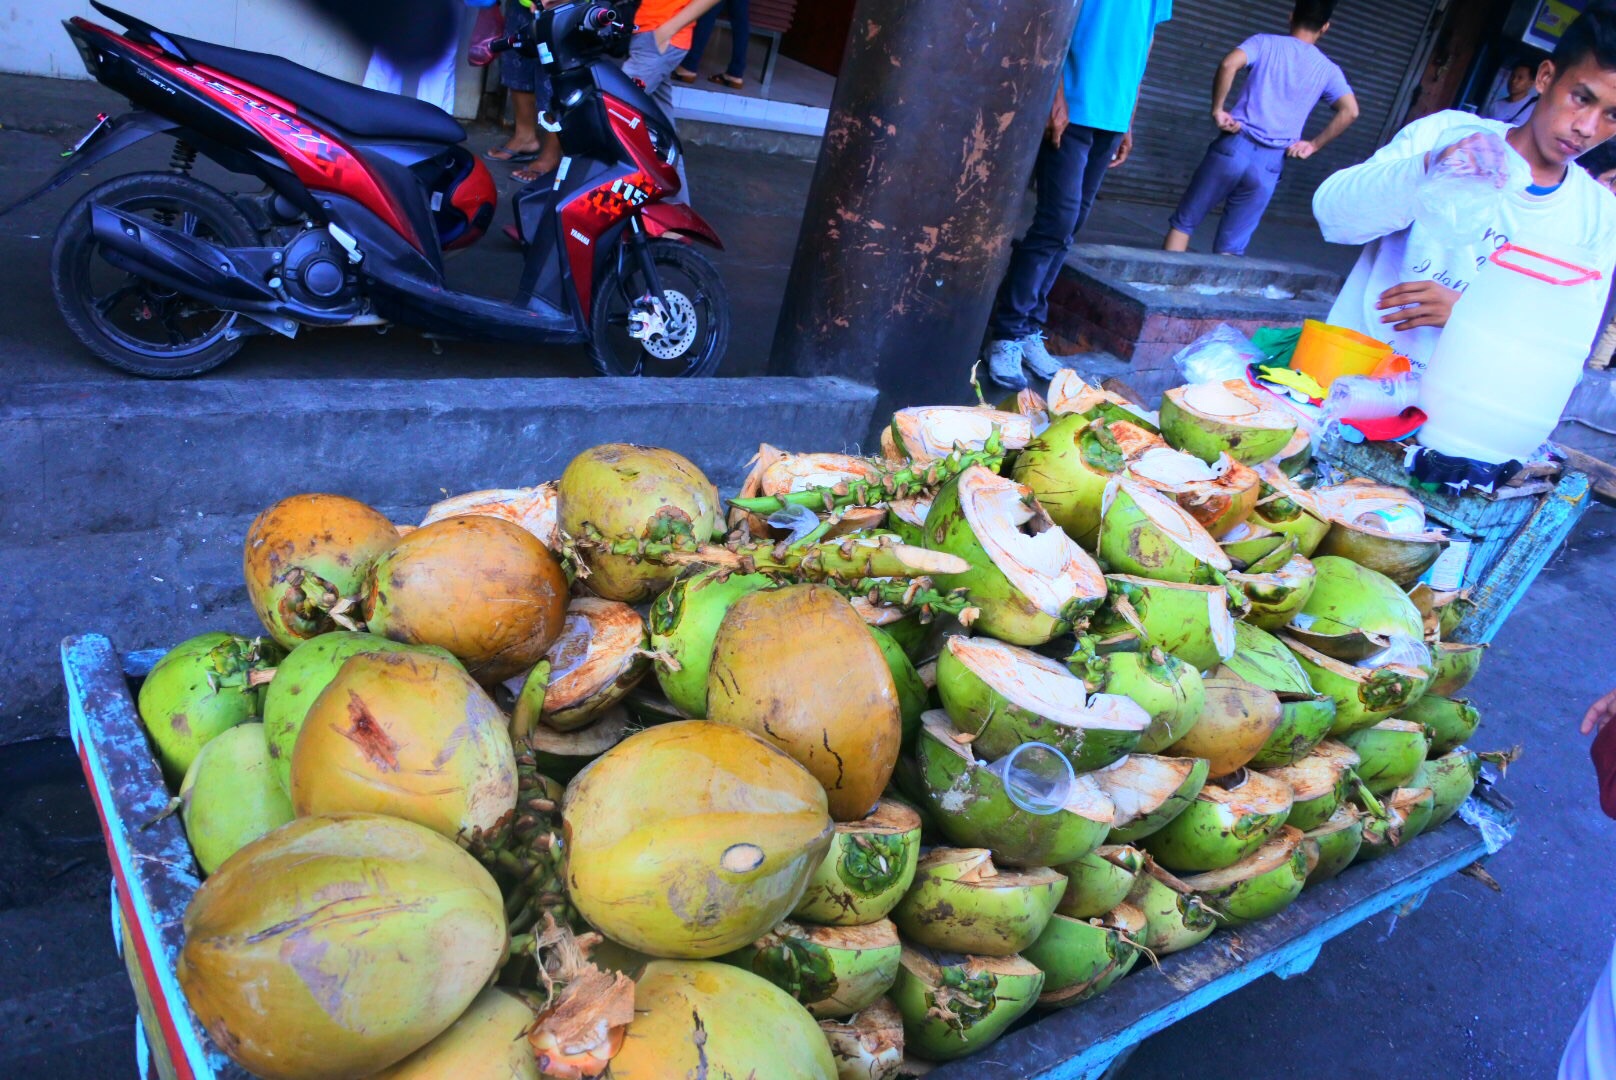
[(363, 192)]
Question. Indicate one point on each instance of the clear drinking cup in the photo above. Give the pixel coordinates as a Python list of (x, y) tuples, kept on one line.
[(1036, 776)]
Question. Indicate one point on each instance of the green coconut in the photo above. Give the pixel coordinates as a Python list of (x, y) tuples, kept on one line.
[(1100, 880), (1451, 778), (955, 1005), (971, 807), (1192, 622), (1407, 813), (1166, 687), (907, 518), (1230, 819), (1067, 467), (961, 902), (1276, 596), (1264, 883), (928, 433), (563, 755), (1175, 918), (1453, 665), (914, 696), (1143, 532), (1232, 417), (1355, 533), (1354, 612), (1305, 715), (1029, 581), (1239, 720), (1219, 496), (1318, 783), (1248, 545), (1285, 508), (1302, 726), (684, 623), (834, 971), (870, 865), (1336, 842), (1363, 696), (1005, 696), (623, 492), (303, 675), (1149, 791), (1297, 455), (200, 687), (1449, 722), (1080, 959), (1390, 754), (231, 795), (869, 1045)]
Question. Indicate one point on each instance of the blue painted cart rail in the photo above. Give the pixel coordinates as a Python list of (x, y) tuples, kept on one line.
[(154, 877)]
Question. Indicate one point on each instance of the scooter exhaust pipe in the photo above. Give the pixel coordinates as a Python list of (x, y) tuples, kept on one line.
[(166, 255)]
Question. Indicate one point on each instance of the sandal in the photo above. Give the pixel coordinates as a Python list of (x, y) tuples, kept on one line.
[(727, 80), (684, 75), (507, 156), (528, 176)]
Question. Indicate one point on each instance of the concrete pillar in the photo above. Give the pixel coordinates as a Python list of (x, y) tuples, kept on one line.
[(937, 116)]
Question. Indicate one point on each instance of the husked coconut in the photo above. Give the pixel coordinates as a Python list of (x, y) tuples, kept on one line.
[(1232, 417), (1143, 532)]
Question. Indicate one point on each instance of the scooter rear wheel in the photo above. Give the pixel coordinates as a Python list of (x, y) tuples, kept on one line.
[(696, 317), (131, 323)]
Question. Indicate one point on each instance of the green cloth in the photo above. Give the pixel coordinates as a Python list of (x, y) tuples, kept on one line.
[(1277, 344)]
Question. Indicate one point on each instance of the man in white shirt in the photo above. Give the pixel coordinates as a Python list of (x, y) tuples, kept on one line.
[(1519, 96), (1408, 277)]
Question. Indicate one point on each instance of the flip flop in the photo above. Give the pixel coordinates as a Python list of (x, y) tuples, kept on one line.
[(727, 80), (506, 155), (528, 176), (684, 75)]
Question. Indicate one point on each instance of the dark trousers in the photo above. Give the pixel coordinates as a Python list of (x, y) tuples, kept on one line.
[(1067, 178), (740, 29), (1239, 173)]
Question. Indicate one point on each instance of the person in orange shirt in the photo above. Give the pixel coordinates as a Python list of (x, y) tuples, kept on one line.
[(657, 49)]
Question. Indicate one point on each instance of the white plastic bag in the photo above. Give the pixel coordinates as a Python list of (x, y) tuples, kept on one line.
[(1218, 355), (1466, 180)]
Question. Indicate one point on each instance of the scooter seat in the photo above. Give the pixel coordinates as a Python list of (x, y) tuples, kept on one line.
[(353, 109)]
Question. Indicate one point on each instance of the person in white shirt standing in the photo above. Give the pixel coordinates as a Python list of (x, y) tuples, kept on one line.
[(1408, 277), (1519, 96), (1289, 75)]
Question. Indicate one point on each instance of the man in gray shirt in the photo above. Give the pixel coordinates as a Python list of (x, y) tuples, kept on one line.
[(1289, 75)]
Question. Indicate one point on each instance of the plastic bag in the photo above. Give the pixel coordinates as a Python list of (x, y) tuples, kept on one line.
[(1466, 180), (1402, 652), (799, 520), (488, 28), (1218, 355)]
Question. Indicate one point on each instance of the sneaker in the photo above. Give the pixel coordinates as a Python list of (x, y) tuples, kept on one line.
[(1004, 364), (1037, 357)]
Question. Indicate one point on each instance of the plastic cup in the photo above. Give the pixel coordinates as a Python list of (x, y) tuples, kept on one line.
[(1036, 776)]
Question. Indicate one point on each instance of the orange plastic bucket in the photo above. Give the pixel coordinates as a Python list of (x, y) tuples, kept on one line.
[(1328, 352)]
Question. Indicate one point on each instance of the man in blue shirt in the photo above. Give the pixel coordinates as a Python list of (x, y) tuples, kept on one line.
[(1088, 133)]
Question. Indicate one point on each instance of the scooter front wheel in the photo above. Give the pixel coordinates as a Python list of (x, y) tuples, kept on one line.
[(682, 334)]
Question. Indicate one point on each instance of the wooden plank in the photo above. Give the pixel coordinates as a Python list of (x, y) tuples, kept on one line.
[(1506, 583), (1079, 1041), (1601, 474), (151, 861)]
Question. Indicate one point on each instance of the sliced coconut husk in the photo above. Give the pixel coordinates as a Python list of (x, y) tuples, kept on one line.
[(1232, 417), (533, 508), (1318, 783), (1453, 665), (1448, 722), (868, 1045), (790, 473), (1297, 455), (869, 867), (971, 807), (907, 518), (1031, 404), (1082, 959), (1069, 394), (1135, 439), (1354, 612), (1067, 468), (930, 433), (561, 755), (1237, 722), (1451, 778), (1029, 580), (1276, 597), (1192, 622), (1358, 534), (1004, 696), (1175, 918), (598, 658), (1219, 496), (1099, 881), (1230, 819), (1148, 791), (954, 1005), (1335, 843), (1262, 659), (961, 902), (1143, 532), (1390, 754), (1262, 884), (1247, 544), (833, 971), (1363, 696), (1407, 812), (1286, 507), (1166, 687)]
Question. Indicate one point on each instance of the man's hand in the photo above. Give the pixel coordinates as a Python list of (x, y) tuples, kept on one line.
[(1482, 154), (663, 36), (1057, 121), (1599, 714), (1225, 121), (1124, 148), (1301, 150), (1423, 303)]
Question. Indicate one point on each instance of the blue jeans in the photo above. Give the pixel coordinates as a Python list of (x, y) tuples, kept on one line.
[(1067, 178), (1239, 172), (517, 72), (740, 28)]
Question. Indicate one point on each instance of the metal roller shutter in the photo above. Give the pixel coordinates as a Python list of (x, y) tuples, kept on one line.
[(1376, 42)]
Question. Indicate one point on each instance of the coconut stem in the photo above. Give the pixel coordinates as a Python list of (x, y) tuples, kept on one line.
[(887, 486), (916, 594), (845, 559)]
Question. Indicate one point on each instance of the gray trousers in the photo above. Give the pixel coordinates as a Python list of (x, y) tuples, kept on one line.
[(654, 71)]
